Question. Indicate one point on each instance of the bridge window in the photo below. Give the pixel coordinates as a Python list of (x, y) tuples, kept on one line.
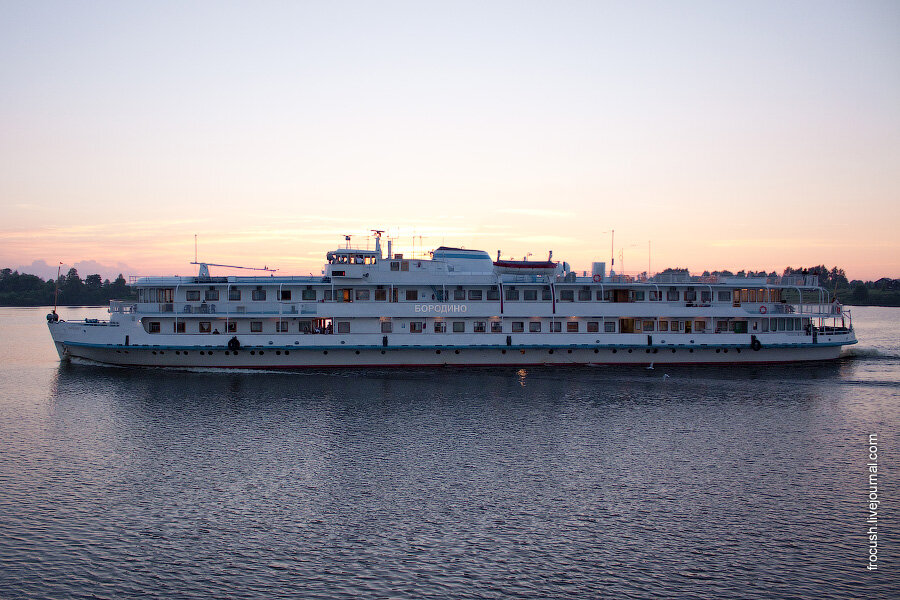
[(192, 295), (479, 327), (555, 327), (387, 327), (153, 327), (459, 326), (572, 326), (308, 295), (178, 327), (496, 327), (380, 295), (440, 327), (672, 295), (255, 326), (259, 295), (412, 295), (459, 294), (395, 266), (518, 326), (584, 295), (205, 327), (234, 295), (416, 326), (534, 326), (475, 294), (639, 296), (724, 296), (593, 326), (343, 326), (566, 295), (546, 295), (512, 294), (530, 295), (211, 296), (493, 294), (404, 266)]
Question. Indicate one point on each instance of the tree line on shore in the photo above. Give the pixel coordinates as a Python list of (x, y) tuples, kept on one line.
[(22, 289)]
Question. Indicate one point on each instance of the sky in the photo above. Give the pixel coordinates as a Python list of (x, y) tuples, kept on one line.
[(707, 135)]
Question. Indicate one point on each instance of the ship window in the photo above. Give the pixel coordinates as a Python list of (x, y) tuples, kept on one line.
[(530, 295), (281, 326), (654, 296), (584, 295), (459, 294), (211, 295), (178, 327), (701, 326), (362, 294), (639, 296), (637, 325), (512, 294), (258, 295), (721, 326), (167, 295), (153, 327), (234, 295), (479, 327), (663, 325), (459, 326), (534, 326), (790, 324), (518, 326), (724, 296), (412, 295), (255, 326), (593, 326), (567, 295), (496, 327), (440, 327), (705, 296), (395, 266), (475, 294), (493, 294), (648, 326), (675, 325), (690, 295), (609, 326), (326, 294), (555, 327), (672, 295), (387, 327), (192, 295), (308, 295), (343, 327), (404, 266), (416, 326), (205, 327), (231, 327), (380, 295), (546, 295)]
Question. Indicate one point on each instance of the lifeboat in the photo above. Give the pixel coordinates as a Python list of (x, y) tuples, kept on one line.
[(526, 267)]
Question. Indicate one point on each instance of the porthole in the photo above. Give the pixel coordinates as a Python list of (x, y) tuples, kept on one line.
[(569, 351), (154, 353), (162, 351), (717, 350), (252, 352), (503, 352), (596, 351), (550, 351), (201, 353), (357, 351), (738, 350), (726, 351), (648, 350), (629, 351), (261, 352), (655, 350), (614, 350), (178, 352), (185, 352), (436, 352), (673, 350), (456, 351), (227, 353), (324, 351), (382, 351), (235, 353), (278, 353), (286, 352), (691, 350)]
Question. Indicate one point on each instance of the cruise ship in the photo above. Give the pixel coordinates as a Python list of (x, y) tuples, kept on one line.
[(458, 307)]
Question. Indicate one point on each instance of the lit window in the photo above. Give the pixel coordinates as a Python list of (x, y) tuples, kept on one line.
[(496, 327), (440, 327), (572, 326), (518, 326), (534, 326), (416, 326), (479, 327), (700, 325), (675, 325), (663, 325), (255, 326)]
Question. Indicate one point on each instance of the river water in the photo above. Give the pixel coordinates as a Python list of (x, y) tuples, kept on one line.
[(739, 482)]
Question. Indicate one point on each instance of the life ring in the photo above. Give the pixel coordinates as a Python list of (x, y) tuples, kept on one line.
[(763, 310), (755, 344), (234, 344), (598, 278)]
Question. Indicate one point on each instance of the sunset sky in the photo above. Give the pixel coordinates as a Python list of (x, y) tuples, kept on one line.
[(730, 135)]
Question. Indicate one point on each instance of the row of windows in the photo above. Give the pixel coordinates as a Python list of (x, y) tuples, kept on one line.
[(510, 294)]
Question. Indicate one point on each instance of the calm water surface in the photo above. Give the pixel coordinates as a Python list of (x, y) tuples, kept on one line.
[(465, 483)]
